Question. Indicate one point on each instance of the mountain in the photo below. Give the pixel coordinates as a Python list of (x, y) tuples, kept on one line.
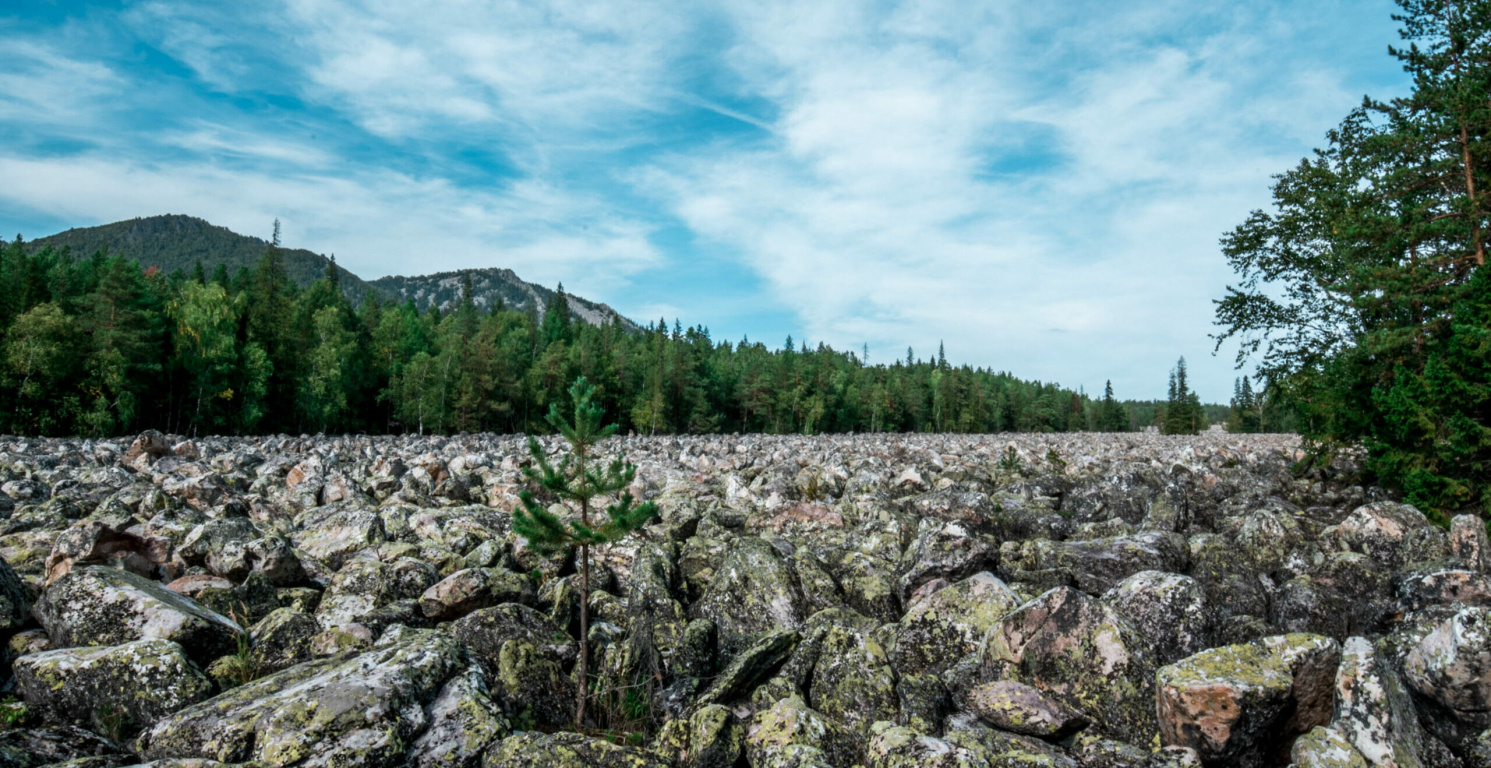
[(487, 287), (172, 242)]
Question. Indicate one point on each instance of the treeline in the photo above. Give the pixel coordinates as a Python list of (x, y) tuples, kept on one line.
[(96, 346), (1363, 293)]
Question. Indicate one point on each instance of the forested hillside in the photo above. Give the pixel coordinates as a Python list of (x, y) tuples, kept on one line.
[(173, 242), (187, 244), (100, 346)]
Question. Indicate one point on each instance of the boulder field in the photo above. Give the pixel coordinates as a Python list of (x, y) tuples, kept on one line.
[(885, 601)]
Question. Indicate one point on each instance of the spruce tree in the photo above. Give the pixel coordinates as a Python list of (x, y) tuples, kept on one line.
[(575, 481)]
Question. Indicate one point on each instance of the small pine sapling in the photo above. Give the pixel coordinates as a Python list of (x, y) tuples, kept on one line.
[(573, 479)]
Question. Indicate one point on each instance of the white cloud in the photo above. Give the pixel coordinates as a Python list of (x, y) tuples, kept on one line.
[(1041, 187), (381, 223)]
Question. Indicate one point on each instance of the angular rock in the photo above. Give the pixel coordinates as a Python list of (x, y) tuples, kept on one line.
[(750, 594), (117, 689), (1326, 748), (750, 667), (470, 589), (896, 746), (1469, 544), (57, 745), (283, 639), (463, 723), (361, 710), (853, 682), (1391, 533), (97, 605), (1451, 668), (1168, 609), (791, 724), (1244, 704), (950, 623), (93, 543), (945, 550), (1373, 710), (1018, 708), (565, 750), (1082, 653)]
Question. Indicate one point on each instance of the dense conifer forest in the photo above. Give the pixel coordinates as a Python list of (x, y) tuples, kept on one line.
[(94, 345)]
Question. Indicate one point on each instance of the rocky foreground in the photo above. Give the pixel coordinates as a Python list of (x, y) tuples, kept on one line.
[(887, 601)]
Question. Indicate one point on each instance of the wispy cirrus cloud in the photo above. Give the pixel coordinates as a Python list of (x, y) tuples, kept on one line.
[(1041, 187)]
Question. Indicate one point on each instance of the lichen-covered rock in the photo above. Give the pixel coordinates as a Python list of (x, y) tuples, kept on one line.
[(56, 745), (97, 605), (1002, 749), (565, 750), (1081, 652), (470, 589), (950, 623), (1018, 708), (15, 602), (896, 746), (1244, 704), (792, 723), (750, 667), (1326, 748), (1451, 668), (118, 689), (853, 682), (945, 550), (463, 723), (283, 639), (532, 687), (1391, 533), (365, 585), (336, 537), (1469, 543), (1373, 710), (750, 594), (1168, 609), (94, 542), (712, 737), (1098, 564), (486, 631), (360, 710)]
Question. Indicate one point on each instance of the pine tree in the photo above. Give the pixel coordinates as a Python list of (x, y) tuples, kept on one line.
[(574, 480)]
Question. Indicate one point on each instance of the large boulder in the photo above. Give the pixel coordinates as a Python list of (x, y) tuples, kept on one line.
[(1245, 704), (777, 734), (365, 585), (334, 538), (97, 605), (565, 750), (1019, 708), (945, 550), (1451, 669), (1168, 609), (950, 623), (1098, 564), (469, 589), (1373, 710), (117, 689), (365, 709), (750, 594), (1390, 533), (1084, 654), (463, 723), (853, 682)]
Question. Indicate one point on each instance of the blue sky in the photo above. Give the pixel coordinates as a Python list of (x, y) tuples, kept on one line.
[(1040, 186)]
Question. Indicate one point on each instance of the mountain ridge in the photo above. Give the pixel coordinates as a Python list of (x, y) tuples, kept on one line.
[(178, 241)]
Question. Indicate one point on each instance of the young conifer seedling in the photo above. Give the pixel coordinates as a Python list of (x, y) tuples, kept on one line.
[(574, 480)]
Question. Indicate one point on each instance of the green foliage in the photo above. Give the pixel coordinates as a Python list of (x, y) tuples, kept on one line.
[(117, 349), (574, 480), (12, 711), (1363, 295), (1010, 461), (1183, 413)]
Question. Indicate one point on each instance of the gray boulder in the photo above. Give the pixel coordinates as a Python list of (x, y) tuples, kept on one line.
[(97, 605), (115, 690)]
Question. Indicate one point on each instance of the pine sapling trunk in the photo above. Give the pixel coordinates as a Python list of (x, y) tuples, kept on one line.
[(584, 595)]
